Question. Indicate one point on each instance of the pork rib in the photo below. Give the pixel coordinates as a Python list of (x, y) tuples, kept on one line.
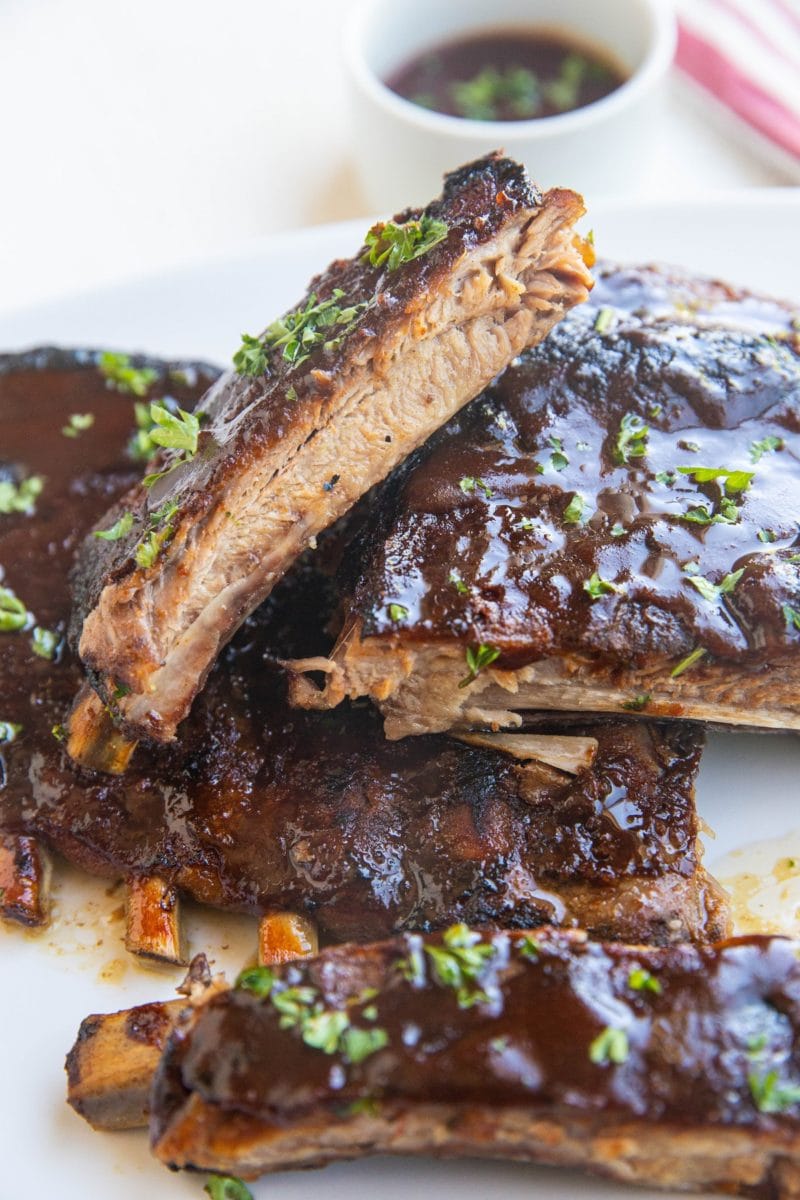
[(283, 453), (559, 524), (675, 1068)]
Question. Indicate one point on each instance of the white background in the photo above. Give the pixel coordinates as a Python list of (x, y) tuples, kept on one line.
[(135, 134)]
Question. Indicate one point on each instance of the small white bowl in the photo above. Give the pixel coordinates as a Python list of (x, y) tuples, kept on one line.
[(403, 150)]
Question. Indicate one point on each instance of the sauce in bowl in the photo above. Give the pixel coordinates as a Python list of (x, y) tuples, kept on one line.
[(507, 77)]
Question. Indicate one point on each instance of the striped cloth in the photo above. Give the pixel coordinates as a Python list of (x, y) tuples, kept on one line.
[(745, 54)]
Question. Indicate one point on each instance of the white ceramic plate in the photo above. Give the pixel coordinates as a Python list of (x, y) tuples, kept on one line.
[(51, 980)]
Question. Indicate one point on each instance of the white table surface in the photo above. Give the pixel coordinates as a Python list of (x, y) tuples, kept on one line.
[(135, 134)]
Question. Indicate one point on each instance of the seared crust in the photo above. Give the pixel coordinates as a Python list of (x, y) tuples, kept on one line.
[(682, 1100), (495, 530), (282, 455)]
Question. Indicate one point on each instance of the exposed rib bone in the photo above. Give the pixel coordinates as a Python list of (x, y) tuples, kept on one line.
[(283, 937), (94, 741), (153, 920), (24, 881), (571, 754)]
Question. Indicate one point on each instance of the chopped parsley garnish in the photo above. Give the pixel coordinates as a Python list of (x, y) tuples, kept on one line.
[(770, 1095), (20, 497), (484, 96), (712, 591), (13, 613), (120, 529), (574, 510), (477, 658), (641, 980), (458, 584), (227, 1187), (461, 962), (666, 477), (9, 730), (120, 375), (500, 1044), (174, 431), (767, 536), (791, 616), (412, 968), (44, 642), (469, 484), (59, 732), (610, 1046), (732, 483), (637, 703), (78, 423), (597, 587), (604, 320), (319, 323), (686, 663), (291, 393), (617, 530), (390, 245), (701, 514), (150, 547), (397, 612), (529, 948), (558, 459), (328, 1030), (767, 445), (631, 439)]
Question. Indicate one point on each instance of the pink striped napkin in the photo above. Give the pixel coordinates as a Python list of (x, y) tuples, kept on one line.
[(745, 54)]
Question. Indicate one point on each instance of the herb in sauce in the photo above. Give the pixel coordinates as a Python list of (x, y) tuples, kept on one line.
[(637, 703), (574, 510), (733, 483), (458, 584), (78, 423), (604, 320), (397, 612), (174, 431), (468, 484), (712, 591), (59, 732), (597, 587), (631, 439), (44, 642), (390, 245), (617, 530), (20, 497), (610, 1046), (792, 616), (767, 445), (320, 323), (477, 658), (641, 980), (770, 1095), (558, 459), (120, 375), (13, 613), (460, 963), (227, 1187), (148, 550), (9, 730), (686, 663), (529, 948), (120, 529)]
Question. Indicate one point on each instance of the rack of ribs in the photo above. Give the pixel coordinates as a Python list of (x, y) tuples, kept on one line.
[(612, 527), (382, 350)]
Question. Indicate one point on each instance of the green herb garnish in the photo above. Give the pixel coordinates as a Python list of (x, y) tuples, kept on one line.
[(358, 1044), (529, 948), (258, 980), (604, 320), (767, 445), (120, 529), (13, 613), (631, 439), (791, 616), (9, 730), (390, 245), (597, 587), (412, 968), (574, 510), (558, 459), (712, 591), (477, 658), (120, 375), (44, 642), (20, 497), (77, 424), (320, 323), (643, 981), (733, 483), (767, 536), (397, 612), (483, 97), (469, 484), (617, 530), (59, 732), (610, 1046), (251, 358), (458, 584), (174, 431), (770, 1095), (686, 663), (637, 703), (227, 1187), (461, 962), (150, 547)]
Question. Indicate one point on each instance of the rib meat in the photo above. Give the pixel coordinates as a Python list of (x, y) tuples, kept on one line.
[(675, 1068), (283, 453), (257, 808), (558, 523)]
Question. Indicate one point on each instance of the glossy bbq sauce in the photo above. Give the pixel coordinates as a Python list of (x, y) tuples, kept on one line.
[(507, 77)]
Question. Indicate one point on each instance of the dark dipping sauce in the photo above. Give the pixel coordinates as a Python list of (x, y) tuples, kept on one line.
[(507, 77)]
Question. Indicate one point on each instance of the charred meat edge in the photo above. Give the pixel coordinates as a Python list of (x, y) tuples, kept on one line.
[(459, 1090), (255, 495)]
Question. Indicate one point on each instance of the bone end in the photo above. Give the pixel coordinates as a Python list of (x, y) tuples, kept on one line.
[(24, 881), (94, 741), (153, 926), (283, 937)]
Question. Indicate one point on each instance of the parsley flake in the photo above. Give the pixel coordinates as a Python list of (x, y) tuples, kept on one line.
[(477, 658), (390, 245), (77, 424), (617, 530), (597, 587), (712, 591), (529, 948), (686, 663), (300, 332), (791, 616), (458, 584), (767, 445), (397, 612), (631, 439), (574, 510), (770, 1095), (173, 431), (122, 377), (120, 529), (227, 1187), (469, 484), (44, 642), (20, 497), (258, 980), (605, 319), (641, 980), (610, 1046), (9, 731), (460, 963), (13, 613), (733, 483), (637, 703)]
